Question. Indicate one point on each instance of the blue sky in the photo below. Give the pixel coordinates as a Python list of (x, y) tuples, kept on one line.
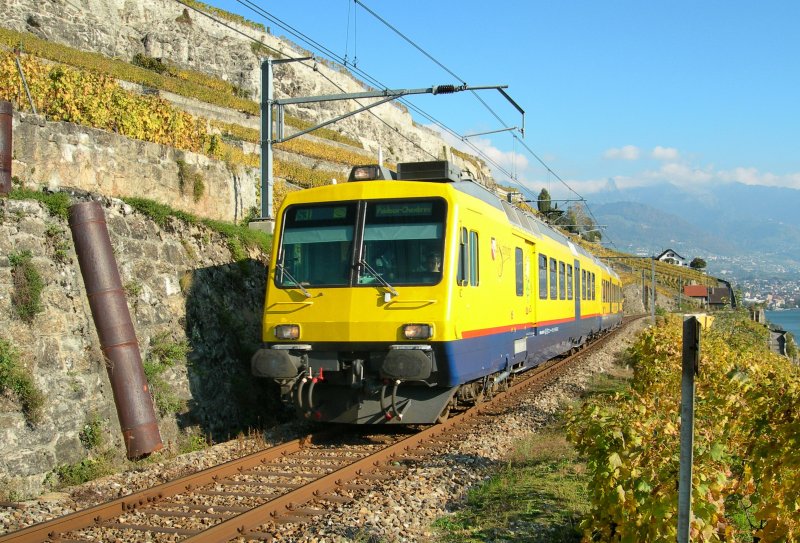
[(693, 93)]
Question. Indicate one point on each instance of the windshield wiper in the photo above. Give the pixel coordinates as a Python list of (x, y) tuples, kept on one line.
[(296, 282), (378, 276)]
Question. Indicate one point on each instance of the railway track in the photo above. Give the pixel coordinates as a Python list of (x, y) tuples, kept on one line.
[(251, 497)]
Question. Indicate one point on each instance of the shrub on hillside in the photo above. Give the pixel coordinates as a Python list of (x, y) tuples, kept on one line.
[(747, 419)]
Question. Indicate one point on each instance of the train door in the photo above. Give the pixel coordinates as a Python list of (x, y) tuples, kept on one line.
[(530, 281), (577, 290)]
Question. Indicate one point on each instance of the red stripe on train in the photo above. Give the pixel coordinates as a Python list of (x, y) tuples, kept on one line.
[(467, 334)]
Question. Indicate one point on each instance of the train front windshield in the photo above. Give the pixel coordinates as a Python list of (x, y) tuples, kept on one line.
[(402, 243)]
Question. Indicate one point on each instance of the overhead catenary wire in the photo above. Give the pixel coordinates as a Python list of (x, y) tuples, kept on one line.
[(355, 37), (431, 57), (347, 34), (449, 71), (316, 45), (226, 25), (301, 36), (313, 67)]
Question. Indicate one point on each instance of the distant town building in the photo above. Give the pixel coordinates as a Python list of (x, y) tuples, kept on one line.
[(698, 293), (757, 314), (671, 257), (719, 297)]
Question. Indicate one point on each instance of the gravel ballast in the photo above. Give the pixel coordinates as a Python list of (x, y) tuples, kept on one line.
[(400, 510)]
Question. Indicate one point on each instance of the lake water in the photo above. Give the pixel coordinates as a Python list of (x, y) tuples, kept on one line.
[(789, 320)]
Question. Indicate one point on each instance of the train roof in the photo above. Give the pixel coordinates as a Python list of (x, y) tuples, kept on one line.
[(525, 220)]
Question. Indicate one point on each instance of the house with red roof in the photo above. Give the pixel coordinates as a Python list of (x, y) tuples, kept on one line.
[(697, 292)]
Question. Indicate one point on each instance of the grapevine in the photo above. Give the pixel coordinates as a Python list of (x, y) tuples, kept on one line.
[(746, 477)]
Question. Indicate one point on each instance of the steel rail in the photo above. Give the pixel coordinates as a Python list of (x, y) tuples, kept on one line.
[(242, 524), (289, 507), (109, 510)]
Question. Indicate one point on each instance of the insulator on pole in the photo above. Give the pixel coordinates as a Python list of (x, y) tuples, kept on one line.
[(444, 89)]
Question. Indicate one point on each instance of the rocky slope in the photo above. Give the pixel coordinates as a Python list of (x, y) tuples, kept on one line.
[(167, 30), (184, 292)]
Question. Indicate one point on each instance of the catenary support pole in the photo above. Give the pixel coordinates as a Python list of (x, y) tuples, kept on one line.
[(267, 155), (653, 293), (266, 139), (115, 330), (268, 101), (645, 294)]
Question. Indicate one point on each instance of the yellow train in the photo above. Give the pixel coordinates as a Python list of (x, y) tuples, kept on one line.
[(396, 296)]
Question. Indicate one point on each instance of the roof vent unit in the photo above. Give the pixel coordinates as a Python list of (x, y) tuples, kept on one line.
[(436, 170), (371, 172)]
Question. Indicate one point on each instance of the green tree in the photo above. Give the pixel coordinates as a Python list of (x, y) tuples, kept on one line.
[(544, 202), (571, 221), (697, 263)]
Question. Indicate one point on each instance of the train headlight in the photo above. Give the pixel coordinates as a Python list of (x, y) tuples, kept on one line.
[(287, 331), (418, 331)]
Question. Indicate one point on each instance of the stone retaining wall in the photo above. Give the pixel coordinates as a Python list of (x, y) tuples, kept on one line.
[(181, 283), (60, 155), (166, 29)]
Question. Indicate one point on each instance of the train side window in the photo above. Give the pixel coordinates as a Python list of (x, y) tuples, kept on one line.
[(569, 281), (462, 259), (562, 275), (553, 280), (473, 258), (583, 284), (592, 285), (543, 277), (518, 263)]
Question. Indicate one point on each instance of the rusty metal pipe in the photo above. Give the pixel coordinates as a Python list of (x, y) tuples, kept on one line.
[(115, 329), (6, 147)]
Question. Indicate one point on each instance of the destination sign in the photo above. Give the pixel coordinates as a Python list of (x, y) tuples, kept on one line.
[(408, 209), (319, 213)]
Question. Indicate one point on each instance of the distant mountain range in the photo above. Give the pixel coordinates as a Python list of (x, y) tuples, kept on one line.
[(741, 230)]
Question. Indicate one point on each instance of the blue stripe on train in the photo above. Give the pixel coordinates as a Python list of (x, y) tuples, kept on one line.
[(469, 359)]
